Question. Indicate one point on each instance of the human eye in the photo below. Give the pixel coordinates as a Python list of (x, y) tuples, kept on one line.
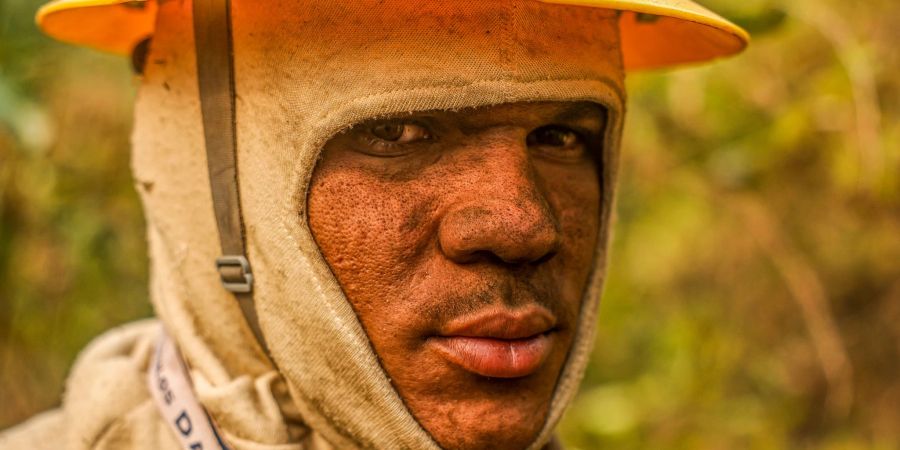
[(557, 142), (393, 138)]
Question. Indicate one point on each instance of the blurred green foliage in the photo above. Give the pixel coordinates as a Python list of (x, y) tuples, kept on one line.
[(73, 258), (754, 288), (754, 291)]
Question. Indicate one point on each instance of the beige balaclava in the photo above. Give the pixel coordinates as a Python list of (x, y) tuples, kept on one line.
[(305, 71)]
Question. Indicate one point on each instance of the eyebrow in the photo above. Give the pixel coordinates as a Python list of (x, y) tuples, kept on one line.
[(583, 112)]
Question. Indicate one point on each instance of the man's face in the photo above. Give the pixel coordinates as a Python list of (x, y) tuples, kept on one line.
[(464, 242)]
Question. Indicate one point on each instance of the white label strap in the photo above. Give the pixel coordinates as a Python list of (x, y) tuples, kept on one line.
[(171, 388)]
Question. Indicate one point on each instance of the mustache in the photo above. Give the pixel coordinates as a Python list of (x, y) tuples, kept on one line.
[(511, 294)]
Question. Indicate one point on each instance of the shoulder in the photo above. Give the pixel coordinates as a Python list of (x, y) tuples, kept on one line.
[(106, 399), (108, 381), (42, 431), (129, 344)]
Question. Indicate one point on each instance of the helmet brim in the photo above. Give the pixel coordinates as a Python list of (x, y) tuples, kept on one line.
[(655, 33)]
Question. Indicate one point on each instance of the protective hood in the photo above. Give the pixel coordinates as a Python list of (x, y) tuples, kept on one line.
[(304, 74)]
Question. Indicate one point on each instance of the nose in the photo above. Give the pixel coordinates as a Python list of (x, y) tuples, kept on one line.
[(502, 214)]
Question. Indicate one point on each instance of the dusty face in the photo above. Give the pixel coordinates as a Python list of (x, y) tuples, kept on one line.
[(464, 241)]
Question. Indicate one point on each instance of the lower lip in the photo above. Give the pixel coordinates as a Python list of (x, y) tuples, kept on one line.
[(495, 358)]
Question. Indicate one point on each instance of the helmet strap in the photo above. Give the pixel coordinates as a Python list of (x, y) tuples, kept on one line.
[(215, 77)]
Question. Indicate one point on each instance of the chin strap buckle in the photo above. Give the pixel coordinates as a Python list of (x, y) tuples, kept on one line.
[(234, 270)]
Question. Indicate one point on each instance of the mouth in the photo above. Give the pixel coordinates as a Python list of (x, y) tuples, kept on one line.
[(498, 343)]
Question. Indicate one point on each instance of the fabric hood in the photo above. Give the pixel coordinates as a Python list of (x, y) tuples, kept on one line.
[(304, 73)]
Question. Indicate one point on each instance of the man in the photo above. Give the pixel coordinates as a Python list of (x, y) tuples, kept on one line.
[(396, 234)]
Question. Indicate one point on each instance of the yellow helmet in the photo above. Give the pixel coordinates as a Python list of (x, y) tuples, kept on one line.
[(655, 33)]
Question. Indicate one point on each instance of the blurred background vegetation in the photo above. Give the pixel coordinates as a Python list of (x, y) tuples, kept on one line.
[(754, 294)]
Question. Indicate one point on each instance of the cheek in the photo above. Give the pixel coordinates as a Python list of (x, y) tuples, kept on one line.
[(371, 233), (574, 196)]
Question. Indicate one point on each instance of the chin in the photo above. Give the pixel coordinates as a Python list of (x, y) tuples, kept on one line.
[(463, 410), (500, 414), (513, 432)]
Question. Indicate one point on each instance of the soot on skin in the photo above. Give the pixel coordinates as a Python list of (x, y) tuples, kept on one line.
[(477, 215)]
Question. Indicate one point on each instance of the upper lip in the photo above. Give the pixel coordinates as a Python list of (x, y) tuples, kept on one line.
[(502, 323)]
